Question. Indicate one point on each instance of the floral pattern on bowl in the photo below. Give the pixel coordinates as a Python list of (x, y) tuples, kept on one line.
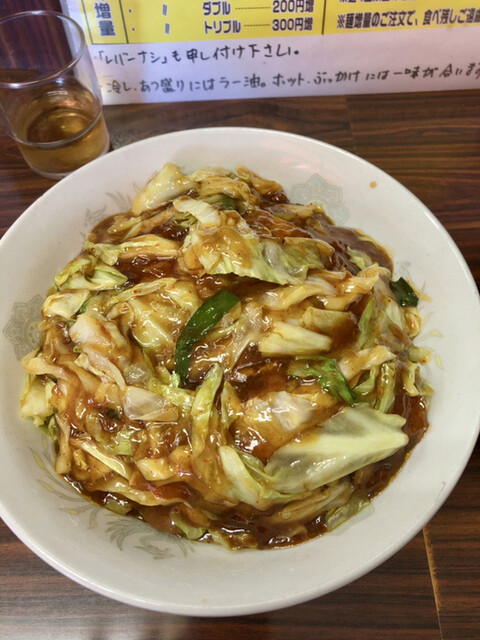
[(324, 193), (121, 530), (22, 330)]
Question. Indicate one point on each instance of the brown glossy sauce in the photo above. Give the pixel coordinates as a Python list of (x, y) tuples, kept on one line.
[(252, 376), (264, 374), (345, 333), (273, 197), (208, 285), (249, 524), (256, 526), (170, 230), (245, 288), (342, 239), (147, 267), (102, 231), (267, 224)]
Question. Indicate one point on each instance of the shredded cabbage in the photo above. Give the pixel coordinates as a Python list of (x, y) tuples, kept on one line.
[(228, 366)]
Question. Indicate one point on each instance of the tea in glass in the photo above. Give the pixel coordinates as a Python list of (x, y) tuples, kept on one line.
[(49, 95), (61, 130)]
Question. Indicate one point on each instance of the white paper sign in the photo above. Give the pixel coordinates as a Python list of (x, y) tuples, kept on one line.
[(146, 51)]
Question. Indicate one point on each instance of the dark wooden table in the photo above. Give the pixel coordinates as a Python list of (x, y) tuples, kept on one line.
[(431, 588)]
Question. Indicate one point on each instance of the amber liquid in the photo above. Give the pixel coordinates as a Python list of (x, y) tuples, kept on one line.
[(61, 129)]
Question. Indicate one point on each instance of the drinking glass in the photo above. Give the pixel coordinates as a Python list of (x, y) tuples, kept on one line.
[(49, 95)]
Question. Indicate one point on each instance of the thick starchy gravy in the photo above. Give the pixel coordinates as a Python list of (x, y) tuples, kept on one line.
[(292, 334)]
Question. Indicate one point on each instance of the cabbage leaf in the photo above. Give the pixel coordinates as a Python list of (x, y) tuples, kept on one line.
[(141, 404), (202, 408), (243, 253), (35, 402), (324, 370), (65, 304), (351, 439), (142, 245), (164, 186), (245, 486), (286, 339)]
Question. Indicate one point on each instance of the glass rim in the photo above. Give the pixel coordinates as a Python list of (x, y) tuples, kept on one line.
[(74, 58)]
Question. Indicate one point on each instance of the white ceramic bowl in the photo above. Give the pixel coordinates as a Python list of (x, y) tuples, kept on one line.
[(125, 559)]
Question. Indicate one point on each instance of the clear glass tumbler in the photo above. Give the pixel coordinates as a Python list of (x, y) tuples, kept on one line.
[(49, 95)]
